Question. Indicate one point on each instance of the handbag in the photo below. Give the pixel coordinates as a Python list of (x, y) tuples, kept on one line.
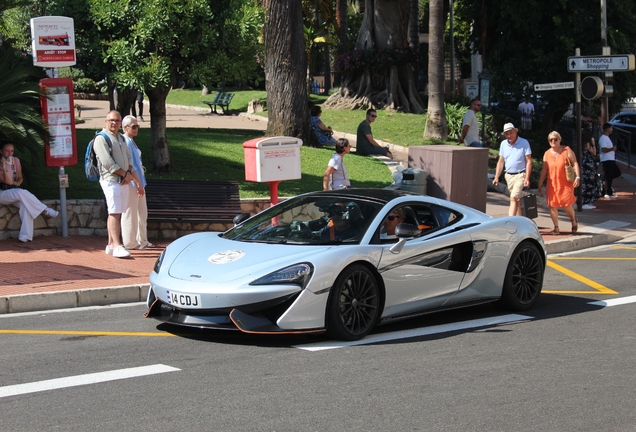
[(570, 174)]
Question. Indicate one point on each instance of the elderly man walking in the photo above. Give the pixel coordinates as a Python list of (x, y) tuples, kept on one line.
[(115, 165), (515, 155)]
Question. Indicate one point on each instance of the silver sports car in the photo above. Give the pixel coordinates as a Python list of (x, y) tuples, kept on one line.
[(344, 261)]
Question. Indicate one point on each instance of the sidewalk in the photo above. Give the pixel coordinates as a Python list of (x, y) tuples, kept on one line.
[(55, 272)]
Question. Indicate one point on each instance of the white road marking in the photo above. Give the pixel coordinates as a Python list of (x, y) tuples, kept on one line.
[(80, 380), (614, 302), (422, 331), (605, 226)]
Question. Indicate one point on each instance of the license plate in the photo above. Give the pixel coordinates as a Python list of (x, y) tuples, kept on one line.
[(184, 300)]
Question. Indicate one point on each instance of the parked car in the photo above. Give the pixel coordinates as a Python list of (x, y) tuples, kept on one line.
[(328, 262), (625, 120)]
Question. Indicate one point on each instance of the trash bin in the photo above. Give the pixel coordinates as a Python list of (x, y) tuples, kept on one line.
[(414, 180)]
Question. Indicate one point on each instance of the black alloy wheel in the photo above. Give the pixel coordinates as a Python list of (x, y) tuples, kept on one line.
[(524, 278), (353, 306)]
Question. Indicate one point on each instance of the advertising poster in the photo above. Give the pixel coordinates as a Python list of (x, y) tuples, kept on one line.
[(57, 111)]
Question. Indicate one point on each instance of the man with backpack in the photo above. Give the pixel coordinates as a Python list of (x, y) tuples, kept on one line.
[(115, 165)]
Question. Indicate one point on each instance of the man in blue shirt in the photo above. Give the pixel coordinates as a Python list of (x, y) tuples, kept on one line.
[(516, 155)]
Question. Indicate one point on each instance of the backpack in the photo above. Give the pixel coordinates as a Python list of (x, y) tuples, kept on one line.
[(91, 165)]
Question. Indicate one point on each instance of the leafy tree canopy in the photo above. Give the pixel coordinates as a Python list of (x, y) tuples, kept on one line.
[(529, 42)]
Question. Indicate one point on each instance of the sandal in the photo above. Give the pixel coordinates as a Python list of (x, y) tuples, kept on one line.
[(575, 225), (555, 231)]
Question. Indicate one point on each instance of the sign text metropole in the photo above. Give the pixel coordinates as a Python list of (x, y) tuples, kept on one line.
[(608, 63)]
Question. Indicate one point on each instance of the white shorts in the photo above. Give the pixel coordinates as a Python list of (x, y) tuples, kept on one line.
[(116, 196), (515, 184)]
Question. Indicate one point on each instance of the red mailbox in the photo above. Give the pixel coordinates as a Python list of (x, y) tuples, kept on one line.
[(272, 160)]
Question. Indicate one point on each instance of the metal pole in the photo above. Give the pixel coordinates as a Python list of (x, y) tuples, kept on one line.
[(579, 152), (452, 52), (63, 205), (606, 51)]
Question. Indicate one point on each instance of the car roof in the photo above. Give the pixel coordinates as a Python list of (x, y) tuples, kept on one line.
[(381, 195)]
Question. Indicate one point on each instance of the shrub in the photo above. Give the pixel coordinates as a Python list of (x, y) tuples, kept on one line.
[(85, 85)]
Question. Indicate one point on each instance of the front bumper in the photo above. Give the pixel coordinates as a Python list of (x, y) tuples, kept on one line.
[(256, 318)]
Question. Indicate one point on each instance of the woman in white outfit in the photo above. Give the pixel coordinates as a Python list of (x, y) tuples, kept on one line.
[(11, 193), (336, 174), (133, 220)]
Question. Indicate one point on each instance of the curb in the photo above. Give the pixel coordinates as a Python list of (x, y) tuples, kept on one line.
[(579, 242), (73, 299)]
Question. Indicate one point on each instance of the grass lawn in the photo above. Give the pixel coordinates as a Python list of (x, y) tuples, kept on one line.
[(396, 128), (206, 154)]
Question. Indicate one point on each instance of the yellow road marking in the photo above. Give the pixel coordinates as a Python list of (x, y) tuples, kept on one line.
[(600, 289), (623, 247), (85, 333)]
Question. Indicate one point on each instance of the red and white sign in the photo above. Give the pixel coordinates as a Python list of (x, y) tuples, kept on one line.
[(57, 111), (53, 41)]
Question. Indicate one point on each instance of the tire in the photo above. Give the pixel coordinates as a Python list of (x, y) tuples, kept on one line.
[(524, 278), (353, 306)]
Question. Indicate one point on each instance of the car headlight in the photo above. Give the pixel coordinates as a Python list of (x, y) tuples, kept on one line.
[(157, 266), (298, 274)]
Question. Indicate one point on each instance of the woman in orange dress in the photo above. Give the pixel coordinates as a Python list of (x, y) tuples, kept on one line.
[(559, 191)]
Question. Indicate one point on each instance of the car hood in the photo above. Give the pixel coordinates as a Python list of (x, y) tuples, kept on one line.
[(216, 260)]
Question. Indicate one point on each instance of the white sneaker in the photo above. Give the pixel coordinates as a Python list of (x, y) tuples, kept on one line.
[(607, 196), (588, 207), (148, 245), (109, 250), (120, 252), (51, 213), (23, 239), (613, 196)]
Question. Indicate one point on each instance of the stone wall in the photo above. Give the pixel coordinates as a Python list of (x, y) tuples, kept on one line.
[(88, 217)]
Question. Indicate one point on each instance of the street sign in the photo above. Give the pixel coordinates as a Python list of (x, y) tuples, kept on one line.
[(554, 86), (616, 63)]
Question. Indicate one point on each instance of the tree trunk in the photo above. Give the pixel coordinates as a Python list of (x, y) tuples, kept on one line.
[(126, 97), (160, 154), (414, 25), (436, 126), (343, 22), (327, 69), (393, 86), (286, 71)]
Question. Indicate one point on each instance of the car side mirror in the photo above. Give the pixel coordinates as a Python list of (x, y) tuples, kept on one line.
[(240, 218), (404, 232)]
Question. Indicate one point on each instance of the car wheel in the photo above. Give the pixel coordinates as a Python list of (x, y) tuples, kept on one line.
[(353, 304), (524, 278)]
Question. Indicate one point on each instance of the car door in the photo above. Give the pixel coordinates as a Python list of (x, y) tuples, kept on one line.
[(427, 271)]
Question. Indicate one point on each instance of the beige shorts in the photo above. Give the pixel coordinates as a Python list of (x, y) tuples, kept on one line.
[(515, 184)]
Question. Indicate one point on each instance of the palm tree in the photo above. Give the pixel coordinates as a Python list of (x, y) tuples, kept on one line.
[(20, 122), (436, 127)]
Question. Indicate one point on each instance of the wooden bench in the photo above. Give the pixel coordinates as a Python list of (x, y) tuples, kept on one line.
[(220, 99), (192, 201)]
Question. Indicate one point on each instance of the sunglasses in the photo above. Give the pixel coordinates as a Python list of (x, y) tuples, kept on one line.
[(392, 217), (134, 127), (373, 115)]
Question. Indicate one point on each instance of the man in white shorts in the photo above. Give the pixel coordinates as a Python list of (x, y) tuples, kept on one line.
[(115, 165), (516, 155)]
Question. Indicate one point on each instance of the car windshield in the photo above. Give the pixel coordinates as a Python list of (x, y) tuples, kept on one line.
[(309, 220)]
